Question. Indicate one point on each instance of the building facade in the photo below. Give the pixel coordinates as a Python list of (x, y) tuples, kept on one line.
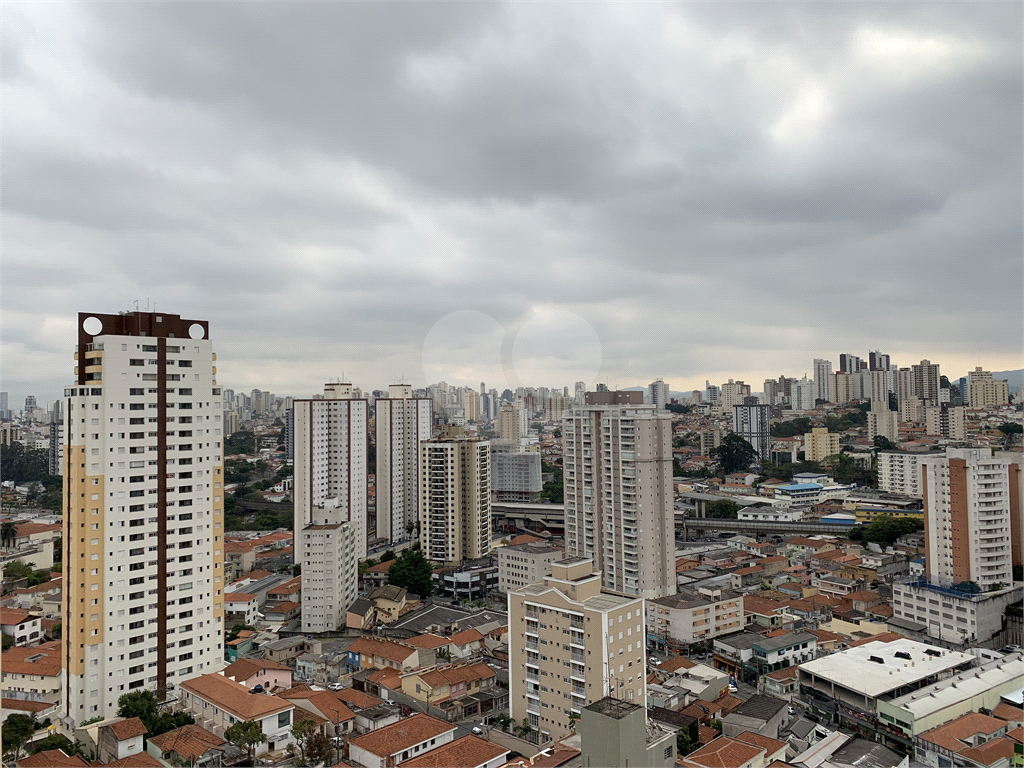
[(516, 476), (985, 392), (143, 601), (819, 444), (693, 617), (523, 564), (658, 393), (753, 424), (402, 424), (568, 620), (330, 571), (900, 472), (330, 459), (455, 498), (948, 421), (618, 493), (972, 516)]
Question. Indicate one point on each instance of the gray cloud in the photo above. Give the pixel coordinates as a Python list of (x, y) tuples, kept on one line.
[(716, 189)]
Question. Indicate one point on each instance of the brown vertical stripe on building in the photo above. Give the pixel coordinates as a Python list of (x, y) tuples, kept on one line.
[(959, 517), (161, 517)]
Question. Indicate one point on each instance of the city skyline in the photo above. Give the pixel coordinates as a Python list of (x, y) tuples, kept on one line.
[(618, 193)]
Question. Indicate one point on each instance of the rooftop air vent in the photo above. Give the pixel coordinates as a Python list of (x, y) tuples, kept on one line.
[(876, 659)]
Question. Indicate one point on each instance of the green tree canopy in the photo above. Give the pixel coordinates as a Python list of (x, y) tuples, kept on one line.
[(240, 442), (413, 572), (246, 734), (18, 729), (723, 509), (793, 428), (144, 705), (883, 443), (885, 529), (734, 453)]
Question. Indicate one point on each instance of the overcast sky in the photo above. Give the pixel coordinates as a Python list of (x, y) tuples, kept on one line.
[(612, 192)]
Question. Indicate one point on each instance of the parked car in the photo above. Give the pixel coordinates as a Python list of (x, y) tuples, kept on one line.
[(655, 662), (791, 710), (478, 730), (336, 687)]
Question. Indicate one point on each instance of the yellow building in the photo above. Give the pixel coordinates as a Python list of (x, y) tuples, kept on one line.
[(867, 514), (819, 444)]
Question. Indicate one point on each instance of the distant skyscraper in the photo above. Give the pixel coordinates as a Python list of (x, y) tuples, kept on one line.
[(945, 420), (733, 393), (753, 424), (618, 492), (403, 423), (510, 423), (926, 381), (883, 422), (329, 467), (143, 604), (659, 394), (850, 364), (455, 498), (986, 392), (802, 395), (877, 361), (5, 411), (823, 380), (30, 406)]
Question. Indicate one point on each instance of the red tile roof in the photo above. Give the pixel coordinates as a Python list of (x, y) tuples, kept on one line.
[(406, 733), (466, 637), (189, 741), (127, 729), (723, 752), (428, 640), (233, 697), (468, 752), (52, 758)]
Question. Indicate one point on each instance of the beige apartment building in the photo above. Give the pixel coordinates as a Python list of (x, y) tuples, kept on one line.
[(819, 444), (618, 492), (986, 392), (455, 497), (578, 645), (143, 517), (524, 564), (948, 421), (402, 424), (972, 517), (692, 617)]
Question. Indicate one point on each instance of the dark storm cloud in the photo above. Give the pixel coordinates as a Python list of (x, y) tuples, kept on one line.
[(716, 189)]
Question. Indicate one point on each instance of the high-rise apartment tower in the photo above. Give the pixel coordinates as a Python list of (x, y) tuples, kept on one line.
[(143, 605)]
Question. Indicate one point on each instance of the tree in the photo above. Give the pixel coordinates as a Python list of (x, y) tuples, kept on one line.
[(684, 744), (413, 572), (319, 749), (54, 741), (8, 533), (502, 721), (302, 730), (723, 509), (885, 529), (734, 453), (240, 442), (236, 631), (145, 706), (17, 569), (247, 734), (23, 465), (883, 443), (793, 428), (18, 729), (387, 555)]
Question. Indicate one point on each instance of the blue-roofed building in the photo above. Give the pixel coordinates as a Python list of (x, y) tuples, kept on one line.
[(799, 491)]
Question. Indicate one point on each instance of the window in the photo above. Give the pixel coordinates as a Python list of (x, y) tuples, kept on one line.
[(284, 719)]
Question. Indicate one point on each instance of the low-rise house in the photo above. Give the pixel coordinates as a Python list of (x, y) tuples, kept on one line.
[(394, 744), (24, 627), (362, 614), (52, 758), (747, 577), (763, 613), (282, 612), (271, 675), (836, 586), (391, 602), (971, 739), (466, 752), (32, 673), (376, 575), (372, 718), (217, 703), (372, 653), (240, 608), (430, 641), (321, 668), (465, 644), (747, 750), (290, 591), (759, 714), (119, 739), (462, 690), (782, 683), (286, 648), (191, 745), (340, 718)]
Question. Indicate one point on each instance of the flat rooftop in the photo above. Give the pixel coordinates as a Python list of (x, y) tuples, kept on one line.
[(855, 669), (965, 685), (616, 708)]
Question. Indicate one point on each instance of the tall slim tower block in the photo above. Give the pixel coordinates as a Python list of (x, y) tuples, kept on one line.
[(329, 466), (143, 605), (972, 517), (455, 498), (403, 423), (618, 492)]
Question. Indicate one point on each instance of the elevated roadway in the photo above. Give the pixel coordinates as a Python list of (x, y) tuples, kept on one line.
[(754, 526)]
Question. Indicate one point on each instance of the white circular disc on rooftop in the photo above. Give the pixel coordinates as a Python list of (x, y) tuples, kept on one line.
[(196, 331), (92, 326)]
